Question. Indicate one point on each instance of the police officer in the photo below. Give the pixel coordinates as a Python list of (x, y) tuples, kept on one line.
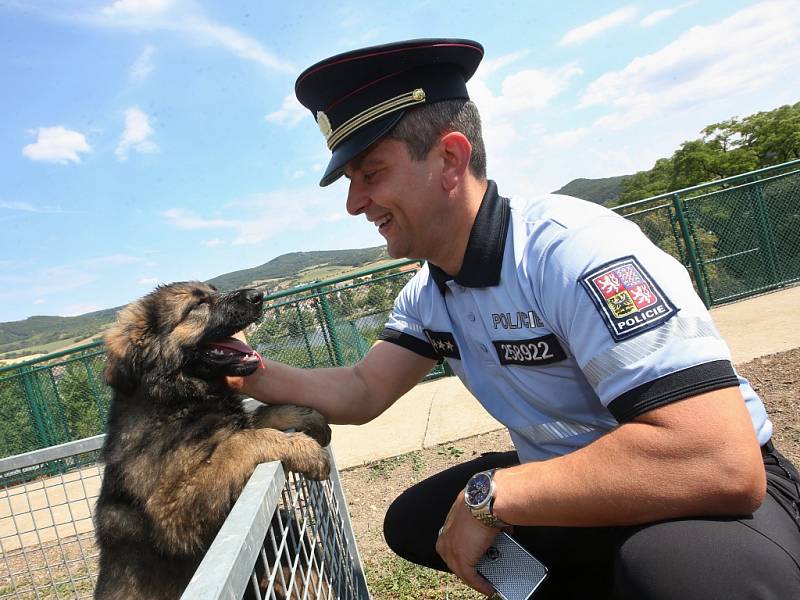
[(643, 464)]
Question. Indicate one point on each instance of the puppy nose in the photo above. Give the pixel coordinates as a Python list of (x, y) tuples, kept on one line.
[(253, 296)]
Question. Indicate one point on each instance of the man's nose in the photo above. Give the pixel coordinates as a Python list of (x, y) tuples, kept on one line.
[(357, 199)]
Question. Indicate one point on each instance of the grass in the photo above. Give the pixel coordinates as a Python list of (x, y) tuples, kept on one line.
[(384, 467), (453, 451), (396, 579)]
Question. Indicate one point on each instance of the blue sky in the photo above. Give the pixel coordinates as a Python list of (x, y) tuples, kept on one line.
[(146, 141)]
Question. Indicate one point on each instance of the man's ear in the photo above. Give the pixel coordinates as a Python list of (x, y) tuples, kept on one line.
[(456, 153)]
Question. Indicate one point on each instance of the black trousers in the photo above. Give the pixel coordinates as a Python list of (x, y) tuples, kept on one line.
[(757, 556)]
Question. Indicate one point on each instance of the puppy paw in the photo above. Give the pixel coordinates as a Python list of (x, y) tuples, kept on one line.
[(300, 418), (306, 456), (316, 426)]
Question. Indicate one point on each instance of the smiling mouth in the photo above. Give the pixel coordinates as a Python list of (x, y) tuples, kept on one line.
[(383, 222), (232, 351)]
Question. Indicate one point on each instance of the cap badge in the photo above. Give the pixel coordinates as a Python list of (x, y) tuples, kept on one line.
[(324, 124)]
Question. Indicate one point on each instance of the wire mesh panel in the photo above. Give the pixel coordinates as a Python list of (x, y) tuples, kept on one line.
[(53, 400), (737, 236), (286, 538), (47, 547), (332, 323), (781, 196)]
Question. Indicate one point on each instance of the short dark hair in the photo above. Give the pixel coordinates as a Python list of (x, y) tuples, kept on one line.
[(422, 126)]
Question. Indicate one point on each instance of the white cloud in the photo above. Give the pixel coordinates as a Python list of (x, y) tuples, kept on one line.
[(298, 174), (290, 113), (110, 261), (566, 139), (143, 66), (57, 145), (40, 301), (28, 207), (580, 34), (238, 43), (491, 65), (267, 215), (137, 135), (212, 243), (524, 90), (188, 19), (148, 281), (659, 15), (743, 53), (74, 310), (54, 281), (23, 206), (139, 8), (273, 215), (181, 219)]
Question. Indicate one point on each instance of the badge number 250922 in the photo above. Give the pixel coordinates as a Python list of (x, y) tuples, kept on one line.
[(536, 351)]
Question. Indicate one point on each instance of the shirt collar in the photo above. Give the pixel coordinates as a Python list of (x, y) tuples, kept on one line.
[(483, 258)]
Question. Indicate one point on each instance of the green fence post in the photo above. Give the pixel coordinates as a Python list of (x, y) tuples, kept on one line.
[(329, 323), (60, 406), (765, 236), (323, 328), (691, 250), (305, 335), (98, 399), (35, 404), (361, 344)]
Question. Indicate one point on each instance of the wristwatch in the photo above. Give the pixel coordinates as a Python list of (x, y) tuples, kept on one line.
[(479, 498)]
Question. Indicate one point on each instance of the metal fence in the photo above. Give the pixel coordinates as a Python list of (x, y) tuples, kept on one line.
[(737, 236), (285, 537), (62, 397)]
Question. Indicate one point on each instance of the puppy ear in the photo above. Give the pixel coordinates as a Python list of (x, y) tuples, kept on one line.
[(121, 371)]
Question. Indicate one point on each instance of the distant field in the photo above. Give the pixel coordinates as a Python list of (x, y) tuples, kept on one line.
[(319, 272), (41, 350)]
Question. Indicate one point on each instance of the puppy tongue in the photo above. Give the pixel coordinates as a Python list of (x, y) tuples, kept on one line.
[(232, 343), (235, 345)]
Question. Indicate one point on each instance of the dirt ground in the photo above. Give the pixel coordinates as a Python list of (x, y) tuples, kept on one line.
[(371, 488)]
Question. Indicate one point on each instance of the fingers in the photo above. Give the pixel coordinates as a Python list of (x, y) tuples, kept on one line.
[(235, 383), (461, 543)]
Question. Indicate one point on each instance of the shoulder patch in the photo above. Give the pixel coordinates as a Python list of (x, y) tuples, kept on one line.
[(627, 298), (444, 344)]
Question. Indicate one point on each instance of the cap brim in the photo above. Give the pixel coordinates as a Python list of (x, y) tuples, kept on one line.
[(356, 144)]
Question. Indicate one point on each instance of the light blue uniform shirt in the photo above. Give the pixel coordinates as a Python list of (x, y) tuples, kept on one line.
[(565, 321)]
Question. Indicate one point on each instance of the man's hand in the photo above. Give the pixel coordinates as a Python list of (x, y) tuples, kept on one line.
[(462, 541), (235, 383)]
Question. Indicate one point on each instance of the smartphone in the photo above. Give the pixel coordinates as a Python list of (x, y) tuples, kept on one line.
[(514, 572)]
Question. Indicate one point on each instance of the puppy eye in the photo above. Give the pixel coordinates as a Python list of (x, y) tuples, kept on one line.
[(200, 304)]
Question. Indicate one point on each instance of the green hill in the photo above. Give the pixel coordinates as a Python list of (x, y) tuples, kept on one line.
[(289, 265), (599, 191), (44, 334)]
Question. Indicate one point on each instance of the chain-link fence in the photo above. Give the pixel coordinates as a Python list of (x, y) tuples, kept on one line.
[(737, 236), (62, 397), (286, 537), (53, 400), (330, 323)]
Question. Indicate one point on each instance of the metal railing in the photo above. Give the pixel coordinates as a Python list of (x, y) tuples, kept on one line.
[(62, 396), (284, 538), (737, 236)]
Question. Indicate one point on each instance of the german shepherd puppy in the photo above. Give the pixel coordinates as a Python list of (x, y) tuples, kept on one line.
[(179, 446)]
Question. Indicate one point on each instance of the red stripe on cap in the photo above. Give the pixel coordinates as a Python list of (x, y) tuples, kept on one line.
[(366, 85), (362, 56)]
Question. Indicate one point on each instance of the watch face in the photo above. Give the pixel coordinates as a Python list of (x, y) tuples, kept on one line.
[(478, 489)]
